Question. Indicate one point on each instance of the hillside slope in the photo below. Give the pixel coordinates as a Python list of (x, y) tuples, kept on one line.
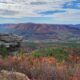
[(31, 31)]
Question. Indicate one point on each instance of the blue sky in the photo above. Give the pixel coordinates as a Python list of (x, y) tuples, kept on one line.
[(40, 11)]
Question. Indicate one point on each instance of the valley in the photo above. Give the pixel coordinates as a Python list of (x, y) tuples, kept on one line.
[(32, 51)]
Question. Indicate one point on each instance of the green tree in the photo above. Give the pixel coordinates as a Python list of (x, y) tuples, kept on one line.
[(3, 51)]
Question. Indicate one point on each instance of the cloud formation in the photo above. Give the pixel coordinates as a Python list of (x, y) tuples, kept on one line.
[(56, 9)]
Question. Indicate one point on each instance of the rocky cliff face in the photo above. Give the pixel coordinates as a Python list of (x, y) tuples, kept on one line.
[(10, 41)]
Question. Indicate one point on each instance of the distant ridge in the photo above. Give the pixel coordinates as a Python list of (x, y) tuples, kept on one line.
[(56, 32)]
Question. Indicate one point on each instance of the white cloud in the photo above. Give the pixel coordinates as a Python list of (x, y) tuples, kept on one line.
[(24, 8), (69, 14), (68, 17)]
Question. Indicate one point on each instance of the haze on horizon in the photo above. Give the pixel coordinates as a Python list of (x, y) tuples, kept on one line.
[(40, 11)]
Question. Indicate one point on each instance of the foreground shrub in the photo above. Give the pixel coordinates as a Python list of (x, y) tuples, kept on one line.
[(3, 51), (40, 68), (59, 53)]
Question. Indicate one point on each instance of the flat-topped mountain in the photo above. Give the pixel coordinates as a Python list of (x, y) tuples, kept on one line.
[(31, 31)]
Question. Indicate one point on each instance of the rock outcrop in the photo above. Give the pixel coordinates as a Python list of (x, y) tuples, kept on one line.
[(10, 75)]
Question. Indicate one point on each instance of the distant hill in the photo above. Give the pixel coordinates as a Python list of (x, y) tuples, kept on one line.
[(31, 31)]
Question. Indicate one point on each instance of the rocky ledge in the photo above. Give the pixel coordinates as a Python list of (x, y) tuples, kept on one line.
[(10, 75)]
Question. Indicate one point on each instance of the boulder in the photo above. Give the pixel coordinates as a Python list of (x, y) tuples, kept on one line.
[(10, 75)]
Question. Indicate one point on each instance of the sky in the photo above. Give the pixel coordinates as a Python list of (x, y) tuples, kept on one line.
[(40, 11)]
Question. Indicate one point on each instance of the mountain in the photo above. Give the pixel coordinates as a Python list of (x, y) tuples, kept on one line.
[(55, 32)]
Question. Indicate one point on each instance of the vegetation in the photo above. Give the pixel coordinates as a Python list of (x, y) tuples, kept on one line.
[(59, 53), (46, 63), (3, 51)]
